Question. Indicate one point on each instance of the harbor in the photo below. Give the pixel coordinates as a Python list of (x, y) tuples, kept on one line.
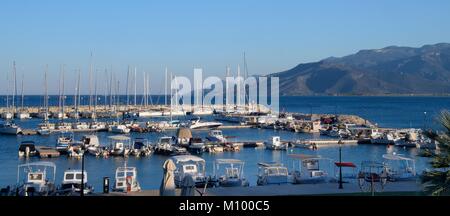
[(146, 143)]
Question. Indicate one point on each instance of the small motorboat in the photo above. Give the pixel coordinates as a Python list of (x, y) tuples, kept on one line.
[(63, 142), (91, 144), (196, 145), (119, 145), (141, 147), (230, 173), (126, 179), (72, 182), (311, 169), (272, 173), (121, 128), (10, 127), (399, 167), (27, 149), (197, 124), (275, 144), (216, 136), (39, 179), (193, 166), (184, 134), (75, 149)]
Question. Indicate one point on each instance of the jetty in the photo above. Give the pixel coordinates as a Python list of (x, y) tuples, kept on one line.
[(47, 152), (323, 143), (350, 188)]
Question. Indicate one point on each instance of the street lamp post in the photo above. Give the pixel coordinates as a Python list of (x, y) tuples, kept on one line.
[(340, 165), (424, 121), (82, 176)]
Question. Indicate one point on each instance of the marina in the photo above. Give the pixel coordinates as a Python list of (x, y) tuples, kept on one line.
[(228, 143)]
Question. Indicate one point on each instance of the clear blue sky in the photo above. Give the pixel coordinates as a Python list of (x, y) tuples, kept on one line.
[(276, 35)]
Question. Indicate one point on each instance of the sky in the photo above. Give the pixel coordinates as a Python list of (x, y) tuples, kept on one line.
[(182, 35)]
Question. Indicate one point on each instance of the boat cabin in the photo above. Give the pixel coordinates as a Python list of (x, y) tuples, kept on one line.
[(189, 165), (126, 179), (272, 173)]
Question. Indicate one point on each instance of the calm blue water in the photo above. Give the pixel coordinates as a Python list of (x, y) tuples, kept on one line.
[(386, 111)]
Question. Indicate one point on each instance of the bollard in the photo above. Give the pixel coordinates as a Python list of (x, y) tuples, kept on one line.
[(105, 185)]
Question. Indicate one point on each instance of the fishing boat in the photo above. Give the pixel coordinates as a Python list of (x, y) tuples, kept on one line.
[(63, 126), (92, 144), (141, 147), (121, 128), (190, 165), (383, 138), (45, 128), (75, 149), (23, 114), (10, 127), (311, 169), (99, 126), (399, 167), (7, 115), (126, 179), (72, 182), (38, 179), (197, 124), (196, 145), (27, 149), (272, 173), (216, 136), (80, 125), (275, 144), (372, 176), (166, 146), (63, 141), (230, 173), (184, 134), (119, 145)]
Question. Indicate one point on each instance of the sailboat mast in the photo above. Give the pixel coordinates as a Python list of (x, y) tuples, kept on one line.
[(127, 88), (94, 115), (110, 90), (78, 96), (135, 97), (106, 88), (59, 89), (165, 88), (46, 94), (14, 87), (90, 82), (8, 88), (22, 93), (63, 94)]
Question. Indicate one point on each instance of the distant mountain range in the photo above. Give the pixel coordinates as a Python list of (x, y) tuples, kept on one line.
[(390, 70)]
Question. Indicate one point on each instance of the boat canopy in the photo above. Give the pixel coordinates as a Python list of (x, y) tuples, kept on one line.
[(184, 133), (40, 163), (345, 164), (303, 156), (396, 157), (186, 158), (270, 164), (228, 161), (23, 146), (119, 137)]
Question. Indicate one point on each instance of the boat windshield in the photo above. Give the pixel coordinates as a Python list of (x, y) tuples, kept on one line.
[(189, 168), (165, 140), (35, 177), (125, 174), (232, 172), (277, 171)]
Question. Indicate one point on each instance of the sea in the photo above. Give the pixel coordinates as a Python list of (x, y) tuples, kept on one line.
[(386, 111)]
